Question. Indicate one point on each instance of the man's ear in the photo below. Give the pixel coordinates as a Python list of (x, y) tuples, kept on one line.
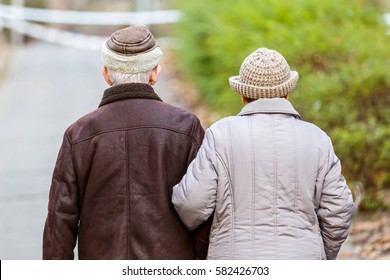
[(155, 74), (106, 76)]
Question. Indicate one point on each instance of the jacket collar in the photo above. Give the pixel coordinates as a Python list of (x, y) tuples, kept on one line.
[(126, 91), (269, 106)]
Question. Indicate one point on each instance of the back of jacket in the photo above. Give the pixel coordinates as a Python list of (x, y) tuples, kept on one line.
[(114, 175), (275, 185)]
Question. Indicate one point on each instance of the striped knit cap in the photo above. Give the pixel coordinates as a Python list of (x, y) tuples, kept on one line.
[(264, 74)]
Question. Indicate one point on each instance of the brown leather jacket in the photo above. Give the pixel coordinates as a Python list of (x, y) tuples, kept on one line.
[(113, 180)]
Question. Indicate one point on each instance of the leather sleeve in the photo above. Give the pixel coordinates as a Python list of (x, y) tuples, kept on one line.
[(61, 227), (197, 135)]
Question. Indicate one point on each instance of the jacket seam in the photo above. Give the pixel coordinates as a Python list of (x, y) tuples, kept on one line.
[(253, 112), (218, 222), (67, 154), (128, 129), (193, 129), (296, 186), (228, 174), (250, 124), (275, 187), (231, 162), (79, 206)]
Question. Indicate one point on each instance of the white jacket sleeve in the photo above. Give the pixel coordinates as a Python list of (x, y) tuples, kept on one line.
[(194, 197), (336, 206)]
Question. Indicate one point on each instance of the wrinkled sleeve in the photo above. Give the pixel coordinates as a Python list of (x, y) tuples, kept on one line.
[(60, 231), (336, 206), (200, 236), (194, 197)]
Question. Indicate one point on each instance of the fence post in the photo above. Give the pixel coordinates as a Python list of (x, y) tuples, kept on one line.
[(1, 26), (17, 38), (143, 5)]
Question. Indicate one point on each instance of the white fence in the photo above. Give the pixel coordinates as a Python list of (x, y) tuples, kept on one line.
[(88, 18), (56, 36), (23, 20)]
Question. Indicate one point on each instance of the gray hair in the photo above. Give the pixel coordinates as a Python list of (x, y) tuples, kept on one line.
[(118, 78)]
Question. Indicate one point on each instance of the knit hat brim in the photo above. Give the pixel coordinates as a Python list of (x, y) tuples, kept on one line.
[(131, 63), (256, 92)]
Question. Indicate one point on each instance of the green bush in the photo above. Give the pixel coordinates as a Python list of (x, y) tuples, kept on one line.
[(339, 48)]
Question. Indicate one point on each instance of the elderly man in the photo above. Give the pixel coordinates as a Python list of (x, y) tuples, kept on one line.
[(272, 180), (112, 183)]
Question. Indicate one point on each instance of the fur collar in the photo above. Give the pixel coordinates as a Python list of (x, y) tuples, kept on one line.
[(126, 91)]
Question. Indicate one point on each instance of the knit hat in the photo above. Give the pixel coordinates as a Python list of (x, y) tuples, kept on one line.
[(264, 74), (131, 50)]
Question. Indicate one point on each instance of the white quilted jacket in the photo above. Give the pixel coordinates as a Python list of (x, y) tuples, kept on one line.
[(273, 184)]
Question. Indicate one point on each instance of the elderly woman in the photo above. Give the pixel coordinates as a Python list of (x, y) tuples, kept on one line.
[(271, 180)]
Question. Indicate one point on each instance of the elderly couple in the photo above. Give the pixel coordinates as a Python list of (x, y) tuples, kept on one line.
[(139, 179)]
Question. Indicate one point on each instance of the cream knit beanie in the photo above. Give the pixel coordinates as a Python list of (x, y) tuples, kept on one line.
[(264, 74), (131, 50)]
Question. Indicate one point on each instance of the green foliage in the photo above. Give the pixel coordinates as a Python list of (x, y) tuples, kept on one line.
[(339, 48), (35, 3)]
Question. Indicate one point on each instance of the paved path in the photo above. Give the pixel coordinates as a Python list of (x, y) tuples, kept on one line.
[(46, 88)]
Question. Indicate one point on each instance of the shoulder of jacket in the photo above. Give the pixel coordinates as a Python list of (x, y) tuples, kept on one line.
[(223, 123), (81, 122), (221, 128), (314, 128)]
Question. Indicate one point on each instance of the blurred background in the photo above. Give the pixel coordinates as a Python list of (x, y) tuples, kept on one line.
[(50, 75)]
